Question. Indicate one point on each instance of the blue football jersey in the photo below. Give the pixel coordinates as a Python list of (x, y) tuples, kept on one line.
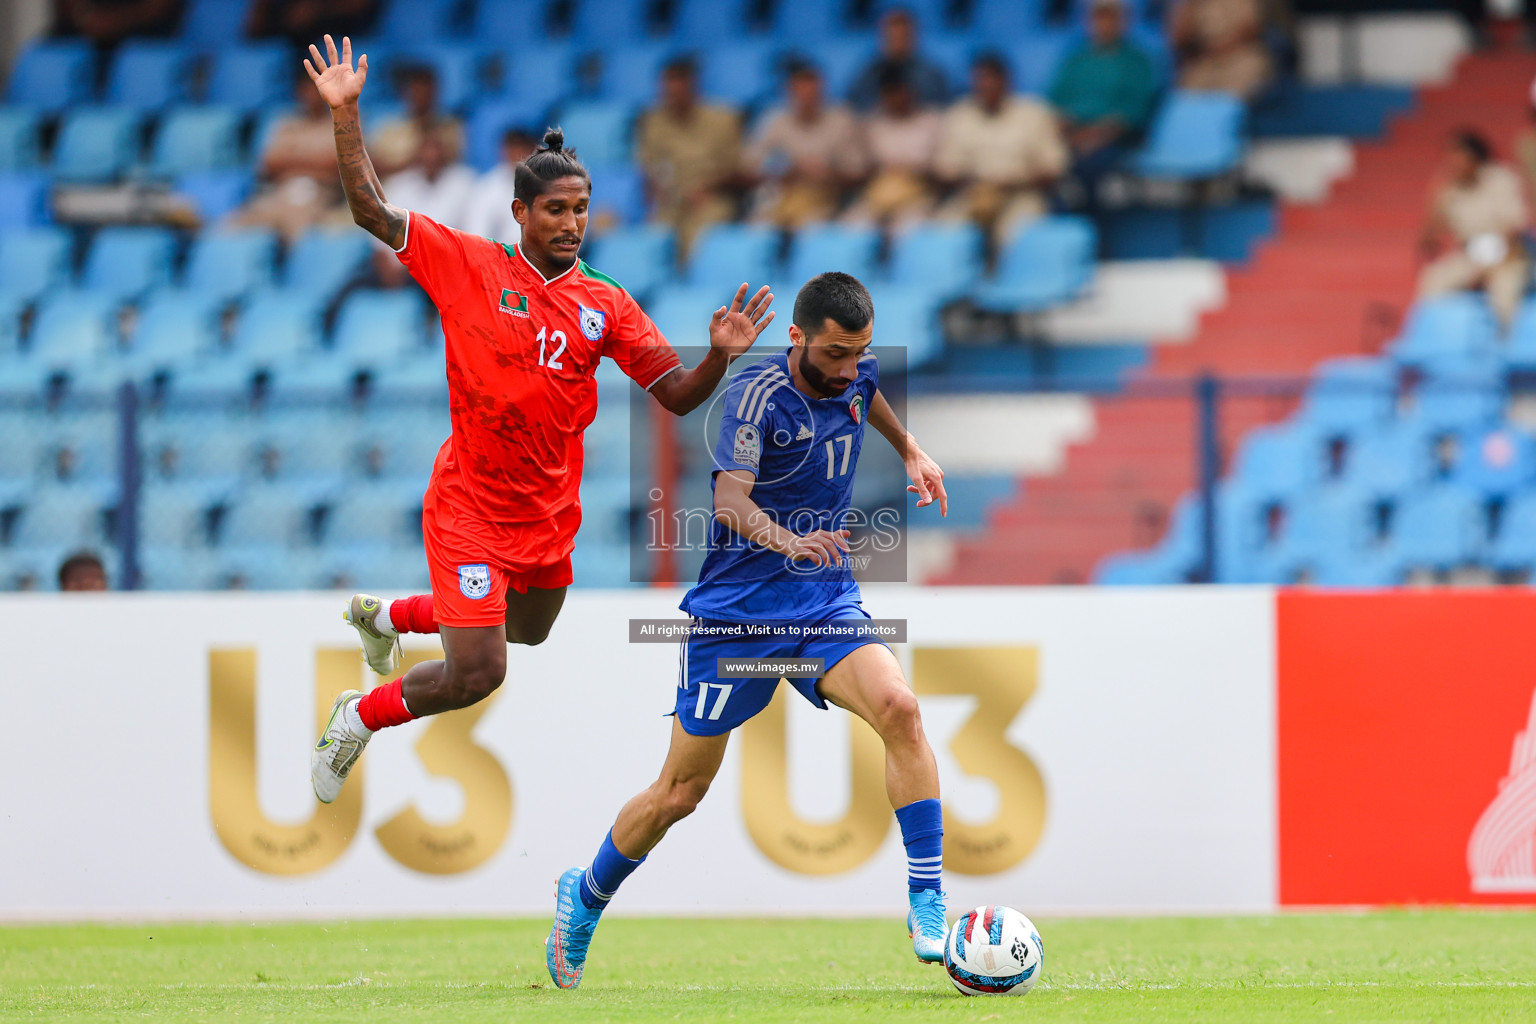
[(803, 452)]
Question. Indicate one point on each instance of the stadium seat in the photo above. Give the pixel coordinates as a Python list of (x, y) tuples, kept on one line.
[(618, 196), (490, 121), (1520, 347), (798, 22), (64, 515), (324, 260), (214, 194), (407, 22), (1350, 394), (147, 75), (74, 332), (1155, 567), (275, 329), (271, 512), (1035, 58), (822, 247), (500, 22), (289, 433), (1389, 461), (377, 326), (632, 72), (542, 76), (176, 514), (225, 265), (944, 259), (126, 262), (1440, 527), (681, 312), (1446, 325), (206, 25), (459, 67), (1194, 135), (390, 567), (196, 139), (725, 255), (96, 144), (173, 330), (598, 130), (1004, 19), (1280, 461), (1496, 463), (1451, 404), (841, 60), (1379, 565), (23, 200), (905, 318), (1326, 523), (1514, 548), (703, 23), (52, 76), (383, 512), (251, 77), (607, 22), (33, 260), (745, 74), (933, 16), (1047, 263), (639, 257), (19, 131)]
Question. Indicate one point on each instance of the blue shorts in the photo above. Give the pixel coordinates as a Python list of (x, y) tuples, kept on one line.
[(708, 705)]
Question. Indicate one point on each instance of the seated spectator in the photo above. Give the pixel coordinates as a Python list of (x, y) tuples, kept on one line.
[(490, 203), (901, 139), (806, 154), (81, 572), (1480, 210), (433, 185), (1104, 93), (108, 22), (304, 21), (898, 45), (301, 187), (394, 143), (1220, 47), (1001, 153), (690, 153)]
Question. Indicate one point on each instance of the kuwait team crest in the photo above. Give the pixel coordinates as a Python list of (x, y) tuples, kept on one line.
[(592, 322), (856, 408)]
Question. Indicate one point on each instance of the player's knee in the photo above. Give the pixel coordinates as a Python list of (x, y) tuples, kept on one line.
[(682, 797), (897, 713)]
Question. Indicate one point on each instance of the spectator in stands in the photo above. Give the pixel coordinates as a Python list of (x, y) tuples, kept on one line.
[(82, 571), (490, 204), (433, 185), (1220, 46), (898, 45), (395, 143), (108, 22), (1104, 92), (305, 21), (806, 154), (298, 167), (1479, 209), (901, 139), (1001, 153), (690, 153)]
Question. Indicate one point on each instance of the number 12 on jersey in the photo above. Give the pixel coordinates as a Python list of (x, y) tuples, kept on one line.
[(554, 362)]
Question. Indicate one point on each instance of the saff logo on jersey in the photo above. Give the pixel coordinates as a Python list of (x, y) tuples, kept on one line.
[(856, 408), (592, 322), (749, 446), (474, 581), (515, 303)]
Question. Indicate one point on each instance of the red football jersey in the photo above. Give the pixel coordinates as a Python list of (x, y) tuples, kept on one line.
[(522, 352)]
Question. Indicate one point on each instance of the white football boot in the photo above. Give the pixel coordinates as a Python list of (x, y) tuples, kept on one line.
[(338, 750), (381, 647)]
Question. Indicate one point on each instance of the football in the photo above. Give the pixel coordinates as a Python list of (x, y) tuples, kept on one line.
[(994, 951)]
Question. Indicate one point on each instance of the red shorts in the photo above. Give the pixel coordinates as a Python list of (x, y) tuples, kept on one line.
[(473, 561)]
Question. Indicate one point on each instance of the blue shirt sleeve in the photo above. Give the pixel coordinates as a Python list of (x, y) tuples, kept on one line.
[(746, 421)]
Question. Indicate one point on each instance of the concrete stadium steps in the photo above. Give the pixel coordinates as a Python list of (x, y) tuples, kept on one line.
[(1334, 281)]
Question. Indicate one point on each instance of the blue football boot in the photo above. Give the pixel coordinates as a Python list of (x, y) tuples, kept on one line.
[(565, 951), (927, 925)]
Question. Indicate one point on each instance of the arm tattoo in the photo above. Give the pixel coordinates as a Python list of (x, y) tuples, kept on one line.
[(365, 194)]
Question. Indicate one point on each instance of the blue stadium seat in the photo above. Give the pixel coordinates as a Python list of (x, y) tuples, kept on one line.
[(407, 22), (1034, 59), (1389, 461), (606, 22), (74, 331), (1520, 348), (196, 139), (490, 121), (904, 317), (725, 255), (96, 144), (631, 73), (1004, 19), (502, 21), (52, 76), (822, 247), (215, 194), (458, 66), (11, 356), (1155, 567), (383, 511), (251, 77), (639, 257), (618, 195), (1277, 462), (704, 23), (1496, 463), (1380, 565), (933, 16), (19, 130), (175, 513), (1047, 263), (396, 567), (66, 515), (206, 25), (33, 260), (1194, 135), (942, 258), (841, 60), (23, 200), (1326, 523), (1351, 394), (598, 130), (681, 312), (798, 22), (1447, 325), (126, 262), (225, 265), (173, 330), (1461, 402), (277, 327), (290, 433), (1439, 527), (742, 73), (147, 75), (1515, 546), (270, 512), (322, 261), (375, 326)]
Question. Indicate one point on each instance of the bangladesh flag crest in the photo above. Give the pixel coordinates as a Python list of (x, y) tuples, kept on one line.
[(514, 302)]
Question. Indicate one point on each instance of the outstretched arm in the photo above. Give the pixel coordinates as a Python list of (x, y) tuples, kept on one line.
[(926, 476), (340, 86), (732, 330), (735, 510)]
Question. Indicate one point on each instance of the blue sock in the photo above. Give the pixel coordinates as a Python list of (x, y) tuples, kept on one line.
[(609, 869), (922, 830)]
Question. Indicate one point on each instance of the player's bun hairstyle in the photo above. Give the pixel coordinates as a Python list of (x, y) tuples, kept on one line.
[(551, 162), (834, 296)]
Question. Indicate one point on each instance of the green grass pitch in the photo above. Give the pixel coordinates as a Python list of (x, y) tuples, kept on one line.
[(1393, 966)]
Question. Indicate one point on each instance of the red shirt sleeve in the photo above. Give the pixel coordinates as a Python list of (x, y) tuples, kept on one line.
[(437, 257), (638, 347)]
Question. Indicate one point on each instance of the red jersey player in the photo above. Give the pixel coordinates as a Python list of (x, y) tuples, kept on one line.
[(525, 326)]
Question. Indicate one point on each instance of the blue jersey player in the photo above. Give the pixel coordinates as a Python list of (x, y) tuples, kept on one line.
[(783, 480)]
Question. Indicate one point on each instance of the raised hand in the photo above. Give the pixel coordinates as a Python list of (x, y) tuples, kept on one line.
[(734, 329), (927, 479), (339, 85)]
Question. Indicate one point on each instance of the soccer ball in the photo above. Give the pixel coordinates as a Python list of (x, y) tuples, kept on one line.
[(994, 951)]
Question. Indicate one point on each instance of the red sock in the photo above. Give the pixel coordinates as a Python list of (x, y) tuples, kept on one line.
[(384, 706), (412, 614)]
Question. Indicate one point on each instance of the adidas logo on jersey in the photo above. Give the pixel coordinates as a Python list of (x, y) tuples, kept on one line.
[(805, 433)]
